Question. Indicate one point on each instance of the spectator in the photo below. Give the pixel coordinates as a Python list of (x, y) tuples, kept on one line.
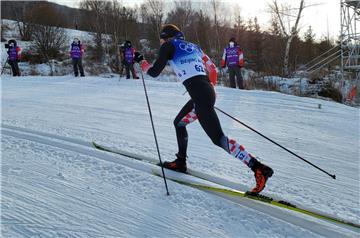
[(129, 53), (14, 57), (76, 53), (233, 58)]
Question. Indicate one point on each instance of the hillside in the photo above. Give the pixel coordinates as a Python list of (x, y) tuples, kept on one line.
[(328, 87)]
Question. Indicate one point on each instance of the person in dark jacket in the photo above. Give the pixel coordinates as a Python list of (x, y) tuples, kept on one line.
[(233, 58), (76, 53), (14, 57), (198, 74), (128, 59)]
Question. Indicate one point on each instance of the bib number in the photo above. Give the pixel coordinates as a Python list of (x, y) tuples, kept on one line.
[(199, 68)]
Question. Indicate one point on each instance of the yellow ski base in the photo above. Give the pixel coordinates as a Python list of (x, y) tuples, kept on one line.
[(237, 193)]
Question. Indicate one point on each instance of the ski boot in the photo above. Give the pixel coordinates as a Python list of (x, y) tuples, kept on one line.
[(178, 165), (262, 173)]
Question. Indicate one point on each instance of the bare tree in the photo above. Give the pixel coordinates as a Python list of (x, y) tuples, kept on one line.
[(153, 12), (239, 23), (157, 8), (96, 20), (284, 13), (202, 30), (215, 5), (49, 40), (122, 22), (4, 29), (181, 14), (23, 17), (121, 25)]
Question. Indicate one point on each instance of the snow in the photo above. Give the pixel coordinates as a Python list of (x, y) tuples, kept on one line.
[(52, 188)]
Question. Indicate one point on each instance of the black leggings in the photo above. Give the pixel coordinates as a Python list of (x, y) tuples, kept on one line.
[(77, 66), (14, 67), (129, 67), (202, 100)]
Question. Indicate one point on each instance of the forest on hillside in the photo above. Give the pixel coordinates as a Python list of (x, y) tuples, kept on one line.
[(208, 25)]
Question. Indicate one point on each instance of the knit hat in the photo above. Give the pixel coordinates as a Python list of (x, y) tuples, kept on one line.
[(232, 39), (170, 30), (128, 44)]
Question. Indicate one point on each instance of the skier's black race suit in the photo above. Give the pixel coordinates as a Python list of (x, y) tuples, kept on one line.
[(202, 99), (189, 63)]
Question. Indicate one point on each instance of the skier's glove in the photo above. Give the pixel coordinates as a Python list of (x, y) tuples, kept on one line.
[(138, 57), (145, 66)]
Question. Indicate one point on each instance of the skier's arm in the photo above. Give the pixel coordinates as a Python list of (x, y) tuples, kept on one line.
[(166, 53), (210, 68)]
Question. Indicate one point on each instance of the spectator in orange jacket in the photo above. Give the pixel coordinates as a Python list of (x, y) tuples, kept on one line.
[(233, 58), (14, 57)]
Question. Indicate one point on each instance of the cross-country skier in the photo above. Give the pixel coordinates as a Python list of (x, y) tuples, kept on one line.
[(189, 63)]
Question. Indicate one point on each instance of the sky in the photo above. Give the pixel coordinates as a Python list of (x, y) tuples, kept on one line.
[(323, 15)]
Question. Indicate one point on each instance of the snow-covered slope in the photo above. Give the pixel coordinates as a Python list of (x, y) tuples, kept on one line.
[(48, 191)]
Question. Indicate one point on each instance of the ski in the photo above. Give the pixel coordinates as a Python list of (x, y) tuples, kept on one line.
[(221, 186)]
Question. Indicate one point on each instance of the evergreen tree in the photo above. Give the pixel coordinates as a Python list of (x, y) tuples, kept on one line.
[(309, 35), (309, 45)]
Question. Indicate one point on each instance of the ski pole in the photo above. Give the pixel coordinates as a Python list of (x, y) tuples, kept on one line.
[(153, 128), (331, 175)]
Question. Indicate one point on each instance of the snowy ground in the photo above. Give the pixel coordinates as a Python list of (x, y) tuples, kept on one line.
[(49, 191)]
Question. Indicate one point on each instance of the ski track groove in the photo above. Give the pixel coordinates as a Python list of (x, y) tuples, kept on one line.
[(49, 139), (89, 144), (160, 222)]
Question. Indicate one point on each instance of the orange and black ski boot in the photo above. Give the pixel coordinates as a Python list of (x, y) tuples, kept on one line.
[(262, 173), (178, 165)]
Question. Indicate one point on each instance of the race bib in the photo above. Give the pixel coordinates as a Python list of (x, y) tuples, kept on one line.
[(187, 60)]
